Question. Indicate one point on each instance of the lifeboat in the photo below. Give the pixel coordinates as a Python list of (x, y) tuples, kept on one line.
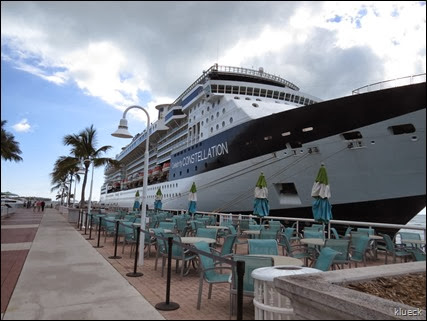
[(157, 170), (166, 167), (150, 172)]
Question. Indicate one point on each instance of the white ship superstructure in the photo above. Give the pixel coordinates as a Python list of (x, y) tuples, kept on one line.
[(233, 123)]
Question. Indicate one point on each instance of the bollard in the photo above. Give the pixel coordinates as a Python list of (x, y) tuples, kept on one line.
[(78, 220), (240, 275), (134, 273), (99, 232), (81, 219), (116, 239), (90, 228), (168, 306), (85, 223)]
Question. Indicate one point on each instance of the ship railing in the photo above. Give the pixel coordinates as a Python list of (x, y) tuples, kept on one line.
[(397, 82), (236, 70), (300, 222)]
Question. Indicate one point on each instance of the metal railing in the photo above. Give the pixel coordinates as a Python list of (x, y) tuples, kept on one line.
[(397, 82)]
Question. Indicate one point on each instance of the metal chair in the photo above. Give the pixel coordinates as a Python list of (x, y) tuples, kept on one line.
[(325, 259), (394, 250), (268, 247)]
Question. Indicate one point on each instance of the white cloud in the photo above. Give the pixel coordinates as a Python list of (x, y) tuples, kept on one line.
[(23, 126), (117, 52)]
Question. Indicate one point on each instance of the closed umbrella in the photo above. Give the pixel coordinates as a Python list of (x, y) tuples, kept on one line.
[(136, 204), (261, 206), (192, 197), (322, 209), (158, 200)]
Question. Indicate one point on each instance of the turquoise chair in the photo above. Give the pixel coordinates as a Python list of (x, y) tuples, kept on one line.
[(409, 236), (238, 241), (167, 225), (297, 251), (343, 247), (370, 231), (268, 234), (208, 271), (268, 247), (251, 263), (325, 259), (359, 244), (227, 247), (394, 250), (335, 233), (179, 254), (207, 232)]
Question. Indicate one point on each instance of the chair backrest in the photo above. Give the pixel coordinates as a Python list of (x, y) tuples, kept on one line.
[(409, 236), (390, 246), (227, 247), (205, 261), (284, 241), (340, 245), (313, 234), (268, 247), (232, 230), (244, 225), (359, 243), (335, 233), (207, 232), (167, 225), (268, 234), (251, 263), (325, 259), (289, 232)]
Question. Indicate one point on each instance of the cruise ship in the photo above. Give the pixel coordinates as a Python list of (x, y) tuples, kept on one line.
[(234, 123)]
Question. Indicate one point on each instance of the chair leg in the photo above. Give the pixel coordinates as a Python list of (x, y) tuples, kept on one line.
[(199, 297), (210, 291)]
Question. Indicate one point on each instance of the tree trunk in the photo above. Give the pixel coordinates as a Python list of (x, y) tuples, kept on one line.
[(82, 201)]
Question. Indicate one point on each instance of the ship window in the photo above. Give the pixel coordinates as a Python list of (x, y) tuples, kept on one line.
[(214, 88), (223, 124), (231, 120), (263, 92), (235, 89), (307, 129), (247, 98), (268, 137), (258, 99), (211, 129), (217, 126), (223, 110), (301, 100), (207, 108), (221, 89), (276, 95), (256, 91), (236, 97), (217, 114), (228, 89), (306, 101), (188, 170), (212, 117), (243, 90), (286, 134), (402, 129), (296, 98), (269, 93), (288, 97), (195, 168), (218, 101), (352, 135), (255, 105), (249, 91), (282, 96)]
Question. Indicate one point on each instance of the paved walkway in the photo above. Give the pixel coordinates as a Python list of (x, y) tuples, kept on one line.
[(63, 277)]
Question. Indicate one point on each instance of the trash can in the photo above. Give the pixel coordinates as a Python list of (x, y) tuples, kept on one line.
[(269, 303)]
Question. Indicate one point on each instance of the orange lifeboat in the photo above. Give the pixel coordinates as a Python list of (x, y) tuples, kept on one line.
[(157, 170), (166, 167)]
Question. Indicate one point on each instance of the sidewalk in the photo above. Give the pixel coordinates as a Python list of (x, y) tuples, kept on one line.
[(65, 278)]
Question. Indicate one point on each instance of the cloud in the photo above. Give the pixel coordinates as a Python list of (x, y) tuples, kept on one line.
[(119, 51), (23, 126)]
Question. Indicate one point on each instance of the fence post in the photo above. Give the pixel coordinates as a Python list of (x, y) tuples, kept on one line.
[(168, 306), (116, 240), (134, 273), (90, 228), (240, 274), (99, 232), (85, 223)]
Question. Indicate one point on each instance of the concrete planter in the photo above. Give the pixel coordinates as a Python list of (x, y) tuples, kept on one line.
[(73, 215), (321, 297)]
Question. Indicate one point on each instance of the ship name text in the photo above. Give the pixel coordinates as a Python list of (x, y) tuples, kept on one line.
[(213, 151)]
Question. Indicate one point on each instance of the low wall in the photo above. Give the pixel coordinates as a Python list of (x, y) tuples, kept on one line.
[(321, 296)]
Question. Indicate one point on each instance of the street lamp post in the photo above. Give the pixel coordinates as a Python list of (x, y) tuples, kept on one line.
[(123, 132)]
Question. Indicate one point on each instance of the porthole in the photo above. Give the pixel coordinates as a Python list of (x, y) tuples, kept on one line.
[(231, 120), (255, 105), (223, 124)]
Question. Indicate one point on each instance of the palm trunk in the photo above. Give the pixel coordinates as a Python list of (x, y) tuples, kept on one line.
[(69, 190), (82, 201)]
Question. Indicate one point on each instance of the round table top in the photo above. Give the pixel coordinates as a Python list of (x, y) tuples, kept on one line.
[(271, 272), (282, 260), (251, 232), (313, 241), (218, 227), (195, 239)]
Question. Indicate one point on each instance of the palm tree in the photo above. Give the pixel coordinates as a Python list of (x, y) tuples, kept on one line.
[(65, 166), (83, 149), (9, 147)]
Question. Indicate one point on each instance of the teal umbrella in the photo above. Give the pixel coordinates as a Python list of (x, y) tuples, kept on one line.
[(322, 209), (136, 204), (192, 197), (158, 200), (261, 206)]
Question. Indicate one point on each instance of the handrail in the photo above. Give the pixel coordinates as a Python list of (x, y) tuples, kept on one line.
[(397, 82)]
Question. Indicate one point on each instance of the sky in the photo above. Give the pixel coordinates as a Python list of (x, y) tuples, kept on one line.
[(68, 65)]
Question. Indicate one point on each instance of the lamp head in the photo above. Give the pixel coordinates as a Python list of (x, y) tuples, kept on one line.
[(122, 131)]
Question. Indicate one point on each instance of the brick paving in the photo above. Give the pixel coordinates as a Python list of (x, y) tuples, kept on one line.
[(17, 233)]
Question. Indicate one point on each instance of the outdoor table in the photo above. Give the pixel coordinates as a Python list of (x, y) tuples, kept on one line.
[(313, 241), (218, 227), (252, 233), (282, 260), (195, 239)]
